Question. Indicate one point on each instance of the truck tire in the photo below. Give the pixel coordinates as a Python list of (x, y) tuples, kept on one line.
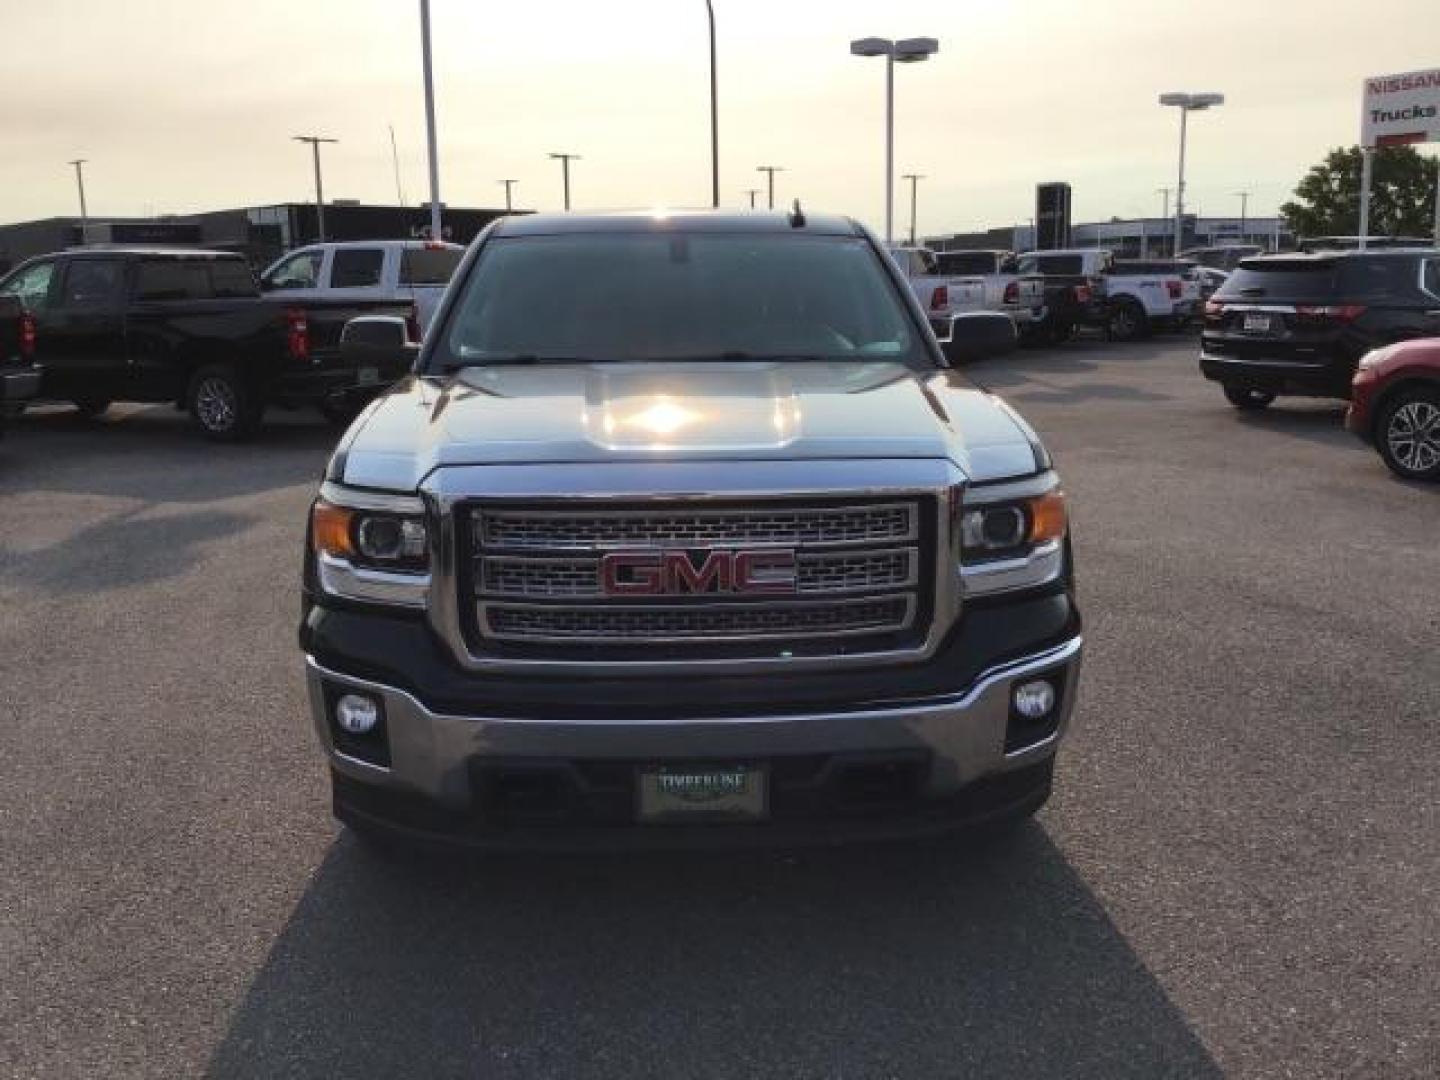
[(1127, 321), (1248, 398), (91, 406), (1408, 434), (223, 406)]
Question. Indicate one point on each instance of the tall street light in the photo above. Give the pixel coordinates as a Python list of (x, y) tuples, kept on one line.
[(770, 171), (906, 51), (508, 185), (1244, 205), (565, 160), (914, 179), (1186, 103), (435, 227), (315, 141), (714, 115), (79, 164)]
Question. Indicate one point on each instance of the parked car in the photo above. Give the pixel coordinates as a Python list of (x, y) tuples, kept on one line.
[(1298, 324), (19, 376), (1395, 406), (1022, 297), (190, 327), (1210, 280), (942, 297), (1167, 290), (768, 571), (399, 271), (1074, 284)]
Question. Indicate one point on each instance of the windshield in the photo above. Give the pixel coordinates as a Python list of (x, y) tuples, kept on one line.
[(677, 296)]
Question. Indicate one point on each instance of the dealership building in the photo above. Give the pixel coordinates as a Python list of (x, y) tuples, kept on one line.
[(1132, 237), (261, 233)]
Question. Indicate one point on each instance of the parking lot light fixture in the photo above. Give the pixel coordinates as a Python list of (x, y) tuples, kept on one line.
[(1186, 103), (905, 51), (914, 179), (769, 171), (79, 164), (565, 160), (315, 141)]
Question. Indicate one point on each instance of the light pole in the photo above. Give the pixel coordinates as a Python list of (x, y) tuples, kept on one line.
[(315, 141), (914, 179), (770, 171), (752, 192), (435, 228), (508, 185), (1186, 103), (1244, 205), (565, 160), (714, 115), (907, 51), (79, 164)]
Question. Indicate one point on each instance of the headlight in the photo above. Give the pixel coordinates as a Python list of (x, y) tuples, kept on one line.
[(370, 538), (1011, 536), (370, 546), (1011, 528)]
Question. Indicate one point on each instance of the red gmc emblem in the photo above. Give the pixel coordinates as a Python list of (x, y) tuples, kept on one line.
[(658, 573)]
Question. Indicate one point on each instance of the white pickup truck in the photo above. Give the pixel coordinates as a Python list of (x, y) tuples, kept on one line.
[(1126, 300), (941, 296), (1021, 296), (400, 270)]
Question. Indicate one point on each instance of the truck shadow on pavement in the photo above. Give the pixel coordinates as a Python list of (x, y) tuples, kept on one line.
[(155, 455), (984, 958)]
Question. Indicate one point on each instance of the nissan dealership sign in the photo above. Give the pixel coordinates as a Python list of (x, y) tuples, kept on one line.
[(1401, 109)]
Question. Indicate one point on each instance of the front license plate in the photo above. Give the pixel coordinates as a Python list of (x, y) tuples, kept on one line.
[(368, 376), (1256, 323), (718, 793)]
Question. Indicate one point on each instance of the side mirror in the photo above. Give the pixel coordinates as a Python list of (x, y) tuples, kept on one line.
[(979, 335), (376, 340)]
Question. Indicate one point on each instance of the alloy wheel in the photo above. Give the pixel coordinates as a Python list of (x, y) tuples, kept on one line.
[(1413, 436), (215, 404)]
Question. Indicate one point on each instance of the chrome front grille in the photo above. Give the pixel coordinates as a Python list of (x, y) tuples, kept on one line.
[(715, 622), (531, 530), (578, 577), (536, 579)]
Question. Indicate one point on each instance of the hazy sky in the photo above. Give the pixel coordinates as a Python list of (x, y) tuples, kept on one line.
[(184, 106)]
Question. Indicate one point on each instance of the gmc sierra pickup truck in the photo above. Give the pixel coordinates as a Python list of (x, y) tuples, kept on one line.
[(108, 324), (683, 531)]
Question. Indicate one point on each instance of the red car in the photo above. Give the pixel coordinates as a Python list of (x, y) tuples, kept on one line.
[(1395, 406)]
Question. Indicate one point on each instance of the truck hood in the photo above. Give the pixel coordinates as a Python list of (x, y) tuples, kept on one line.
[(604, 413)]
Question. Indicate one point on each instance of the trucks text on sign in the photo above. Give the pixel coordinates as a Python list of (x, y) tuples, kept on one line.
[(1400, 109)]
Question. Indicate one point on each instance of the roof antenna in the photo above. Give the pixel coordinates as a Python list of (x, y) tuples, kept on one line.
[(797, 216)]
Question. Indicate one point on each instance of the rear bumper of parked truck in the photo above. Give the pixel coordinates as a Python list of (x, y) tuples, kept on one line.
[(568, 781)]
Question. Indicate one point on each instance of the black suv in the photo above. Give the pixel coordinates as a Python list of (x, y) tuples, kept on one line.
[(1299, 324)]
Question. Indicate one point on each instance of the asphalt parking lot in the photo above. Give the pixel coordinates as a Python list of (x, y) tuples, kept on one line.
[(1239, 875)]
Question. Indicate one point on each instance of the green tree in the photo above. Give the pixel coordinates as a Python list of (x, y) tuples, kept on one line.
[(1402, 195)]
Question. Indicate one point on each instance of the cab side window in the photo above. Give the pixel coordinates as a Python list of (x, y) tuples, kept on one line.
[(92, 284), (299, 271), (356, 268), (32, 286)]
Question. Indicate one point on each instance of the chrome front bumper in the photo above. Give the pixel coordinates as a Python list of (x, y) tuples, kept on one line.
[(432, 754)]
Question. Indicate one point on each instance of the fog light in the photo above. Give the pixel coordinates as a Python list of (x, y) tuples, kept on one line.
[(357, 715), (1034, 700)]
